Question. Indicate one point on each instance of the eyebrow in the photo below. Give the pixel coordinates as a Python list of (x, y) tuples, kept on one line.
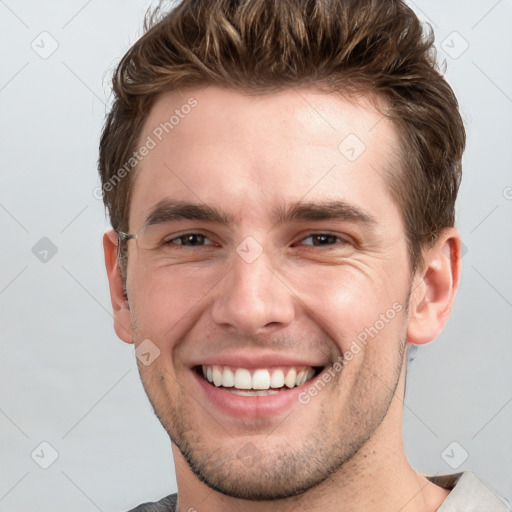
[(325, 210), (170, 210)]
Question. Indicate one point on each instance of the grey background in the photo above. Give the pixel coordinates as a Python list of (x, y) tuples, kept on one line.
[(68, 381)]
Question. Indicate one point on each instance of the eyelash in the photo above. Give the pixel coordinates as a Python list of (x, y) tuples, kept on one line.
[(340, 240)]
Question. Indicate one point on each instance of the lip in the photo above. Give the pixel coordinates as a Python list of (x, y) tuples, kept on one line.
[(250, 407), (252, 362)]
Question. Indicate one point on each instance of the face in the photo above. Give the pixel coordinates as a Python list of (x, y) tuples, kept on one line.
[(271, 278)]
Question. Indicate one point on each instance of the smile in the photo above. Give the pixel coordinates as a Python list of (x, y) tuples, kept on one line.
[(257, 382)]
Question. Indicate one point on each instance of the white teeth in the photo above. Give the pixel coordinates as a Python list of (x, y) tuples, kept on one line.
[(306, 375), (243, 379), (228, 378), (254, 393), (277, 380), (217, 376), (291, 378), (262, 379)]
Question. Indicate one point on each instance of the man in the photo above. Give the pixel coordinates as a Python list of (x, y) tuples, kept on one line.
[(281, 180)]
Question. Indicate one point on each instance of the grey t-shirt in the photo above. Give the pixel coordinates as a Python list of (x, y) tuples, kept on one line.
[(468, 494)]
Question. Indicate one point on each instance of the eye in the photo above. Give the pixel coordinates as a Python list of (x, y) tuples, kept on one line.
[(323, 239), (190, 240)]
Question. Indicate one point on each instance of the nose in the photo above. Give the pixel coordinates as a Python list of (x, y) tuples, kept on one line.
[(253, 298)]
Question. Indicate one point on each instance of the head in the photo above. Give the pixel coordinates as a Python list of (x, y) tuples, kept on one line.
[(305, 157)]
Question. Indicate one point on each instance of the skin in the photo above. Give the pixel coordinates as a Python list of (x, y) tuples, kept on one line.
[(247, 156)]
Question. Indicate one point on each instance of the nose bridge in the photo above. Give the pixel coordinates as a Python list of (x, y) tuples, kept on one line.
[(253, 298)]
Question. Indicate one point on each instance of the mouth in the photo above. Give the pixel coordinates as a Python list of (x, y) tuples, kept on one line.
[(257, 382)]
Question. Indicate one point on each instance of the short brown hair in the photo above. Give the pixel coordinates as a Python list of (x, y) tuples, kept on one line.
[(263, 46)]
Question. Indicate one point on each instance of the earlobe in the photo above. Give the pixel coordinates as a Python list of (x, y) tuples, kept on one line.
[(434, 289), (120, 304)]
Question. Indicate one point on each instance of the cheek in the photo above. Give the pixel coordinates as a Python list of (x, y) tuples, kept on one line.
[(353, 302), (165, 304)]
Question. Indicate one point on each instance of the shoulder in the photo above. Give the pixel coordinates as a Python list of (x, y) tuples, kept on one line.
[(468, 494), (167, 504)]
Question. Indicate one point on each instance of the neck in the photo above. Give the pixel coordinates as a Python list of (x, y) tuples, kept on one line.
[(378, 478)]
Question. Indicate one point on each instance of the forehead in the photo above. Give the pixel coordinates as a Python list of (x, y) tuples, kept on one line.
[(251, 153)]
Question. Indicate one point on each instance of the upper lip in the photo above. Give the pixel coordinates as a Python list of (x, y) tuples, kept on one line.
[(254, 361)]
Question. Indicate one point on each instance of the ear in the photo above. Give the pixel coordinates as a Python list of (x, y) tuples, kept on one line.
[(120, 304), (434, 288)]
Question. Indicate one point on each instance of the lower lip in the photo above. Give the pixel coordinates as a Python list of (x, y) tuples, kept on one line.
[(251, 406)]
